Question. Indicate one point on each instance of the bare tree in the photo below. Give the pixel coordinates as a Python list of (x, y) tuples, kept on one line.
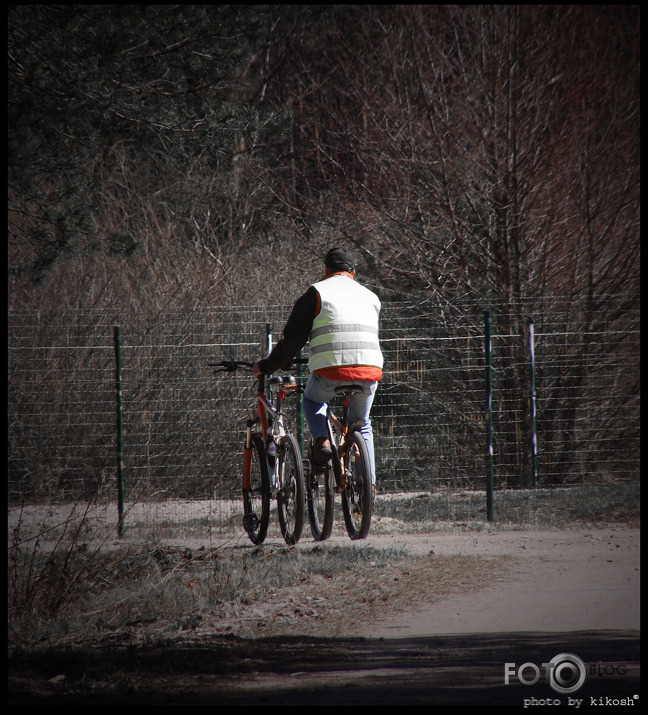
[(484, 151)]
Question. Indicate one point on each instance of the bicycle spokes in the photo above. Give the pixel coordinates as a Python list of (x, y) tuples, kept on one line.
[(320, 494), (356, 496), (290, 497), (256, 499)]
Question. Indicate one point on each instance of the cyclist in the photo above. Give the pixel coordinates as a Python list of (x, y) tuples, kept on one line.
[(338, 318)]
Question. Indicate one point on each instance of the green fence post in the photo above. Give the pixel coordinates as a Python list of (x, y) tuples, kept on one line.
[(268, 338), (534, 440), (489, 430), (120, 433), (268, 350)]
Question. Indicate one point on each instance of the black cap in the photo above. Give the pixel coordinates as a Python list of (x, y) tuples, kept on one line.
[(339, 259)]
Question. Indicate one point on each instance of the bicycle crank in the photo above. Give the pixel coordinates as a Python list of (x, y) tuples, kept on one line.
[(251, 523)]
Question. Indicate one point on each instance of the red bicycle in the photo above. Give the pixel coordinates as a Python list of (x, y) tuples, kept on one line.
[(272, 463), (347, 472)]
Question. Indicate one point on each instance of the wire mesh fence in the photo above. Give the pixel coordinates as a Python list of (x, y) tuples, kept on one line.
[(570, 416)]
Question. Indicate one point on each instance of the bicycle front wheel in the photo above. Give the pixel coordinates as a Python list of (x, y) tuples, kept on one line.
[(357, 495), (256, 500), (290, 497)]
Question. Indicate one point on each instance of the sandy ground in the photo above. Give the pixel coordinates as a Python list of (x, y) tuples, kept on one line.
[(558, 592), (561, 581)]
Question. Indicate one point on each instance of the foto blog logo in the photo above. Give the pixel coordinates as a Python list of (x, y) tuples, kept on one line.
[(565, 673)]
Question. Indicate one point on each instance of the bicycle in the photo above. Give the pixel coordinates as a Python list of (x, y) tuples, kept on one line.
[(347, 472), (272, 464)]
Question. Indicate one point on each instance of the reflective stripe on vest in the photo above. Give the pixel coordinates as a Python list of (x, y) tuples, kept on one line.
[(346, 330)]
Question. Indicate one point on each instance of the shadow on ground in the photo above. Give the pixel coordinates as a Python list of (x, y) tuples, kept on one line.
[(439, 670)]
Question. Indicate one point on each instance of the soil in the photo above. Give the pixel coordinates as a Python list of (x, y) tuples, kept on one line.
[(436, 626)]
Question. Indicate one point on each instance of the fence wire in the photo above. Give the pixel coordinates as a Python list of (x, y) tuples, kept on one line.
[(183, 425)]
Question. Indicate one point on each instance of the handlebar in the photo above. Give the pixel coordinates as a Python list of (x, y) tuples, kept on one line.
[(229, 365), (286, 382), (233, 365)]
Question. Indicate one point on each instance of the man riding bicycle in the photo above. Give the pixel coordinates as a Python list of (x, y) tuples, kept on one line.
[(338, 318)]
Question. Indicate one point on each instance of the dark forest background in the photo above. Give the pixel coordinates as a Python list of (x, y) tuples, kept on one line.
[(192, 155)]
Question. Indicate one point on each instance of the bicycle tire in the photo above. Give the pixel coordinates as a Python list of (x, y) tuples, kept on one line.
[(256, 501), (320, 495), (357, 495), (290, 497)]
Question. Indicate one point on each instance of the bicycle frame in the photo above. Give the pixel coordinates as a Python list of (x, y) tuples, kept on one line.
[(271, 421), (263, 406), (272, 462), (347, 473), (345, 431)]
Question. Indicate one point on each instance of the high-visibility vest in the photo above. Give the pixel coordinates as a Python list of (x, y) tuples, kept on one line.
[(345, 332)]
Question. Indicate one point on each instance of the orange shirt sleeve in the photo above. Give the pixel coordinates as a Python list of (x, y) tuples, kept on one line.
[(363, 373)]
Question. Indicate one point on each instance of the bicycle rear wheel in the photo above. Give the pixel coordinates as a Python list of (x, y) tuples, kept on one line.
[(357, 496), (256, 501), (290, 497), (320, 494)]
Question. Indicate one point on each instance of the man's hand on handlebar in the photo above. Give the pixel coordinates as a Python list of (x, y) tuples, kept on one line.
[(257, 371)]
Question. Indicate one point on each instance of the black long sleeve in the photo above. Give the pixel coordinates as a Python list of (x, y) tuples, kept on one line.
[(295, 334)]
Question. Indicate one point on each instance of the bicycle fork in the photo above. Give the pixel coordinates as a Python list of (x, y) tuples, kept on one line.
[(271, 456), (247, 455)]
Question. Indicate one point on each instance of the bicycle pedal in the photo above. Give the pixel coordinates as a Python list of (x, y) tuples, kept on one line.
[(251, 522)]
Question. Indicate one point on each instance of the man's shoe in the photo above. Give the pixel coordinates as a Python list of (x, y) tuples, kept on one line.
[(322, 452)]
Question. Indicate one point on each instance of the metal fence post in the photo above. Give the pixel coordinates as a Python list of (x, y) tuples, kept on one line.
[(120, 433), (534, 441), (489, 428), (268, 349)]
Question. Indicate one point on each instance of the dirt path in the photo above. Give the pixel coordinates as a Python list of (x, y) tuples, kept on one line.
[(561, 592), (561, 581)]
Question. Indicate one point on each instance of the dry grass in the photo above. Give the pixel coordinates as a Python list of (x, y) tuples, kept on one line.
[(71, 582), (136, 596)]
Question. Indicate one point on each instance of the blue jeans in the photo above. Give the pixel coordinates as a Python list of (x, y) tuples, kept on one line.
[(320, 391)]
